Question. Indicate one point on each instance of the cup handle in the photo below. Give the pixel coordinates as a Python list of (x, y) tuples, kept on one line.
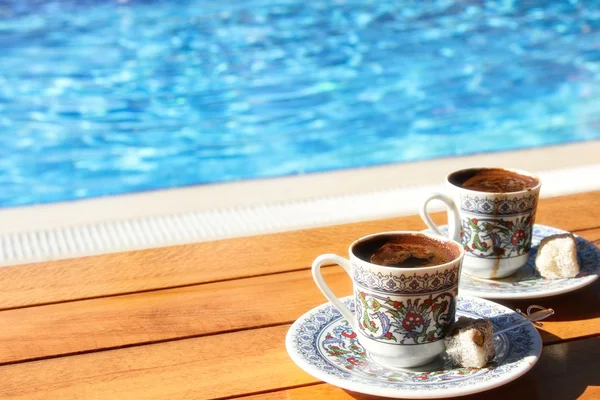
[(453, 216), (316, 273)]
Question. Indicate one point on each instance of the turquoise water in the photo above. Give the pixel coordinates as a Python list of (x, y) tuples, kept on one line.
[(101, 98)]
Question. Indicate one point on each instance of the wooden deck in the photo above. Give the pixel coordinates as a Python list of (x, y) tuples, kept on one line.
[(208, 320)]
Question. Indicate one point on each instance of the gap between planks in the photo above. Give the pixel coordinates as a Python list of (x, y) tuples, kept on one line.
[(105, 296)]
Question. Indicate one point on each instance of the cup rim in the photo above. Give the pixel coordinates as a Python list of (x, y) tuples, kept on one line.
[(413, 233), (515, 170)]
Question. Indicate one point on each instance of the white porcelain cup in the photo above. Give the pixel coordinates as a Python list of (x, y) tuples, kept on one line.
[(494, 228), (401, 315)]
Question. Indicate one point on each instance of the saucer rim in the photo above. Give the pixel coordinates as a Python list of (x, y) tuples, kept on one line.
[(529, 363)]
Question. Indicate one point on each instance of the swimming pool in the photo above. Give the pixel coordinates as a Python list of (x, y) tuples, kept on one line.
[(102, 98)]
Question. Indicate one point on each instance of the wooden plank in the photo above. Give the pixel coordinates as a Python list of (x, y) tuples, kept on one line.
[(236, 364), (73, 327), (120, 273), (202, 368), (64, 328)]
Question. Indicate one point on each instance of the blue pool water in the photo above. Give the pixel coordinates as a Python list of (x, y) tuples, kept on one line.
[(100, 98)]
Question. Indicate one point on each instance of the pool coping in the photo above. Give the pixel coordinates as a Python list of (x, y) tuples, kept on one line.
[(210, 212)]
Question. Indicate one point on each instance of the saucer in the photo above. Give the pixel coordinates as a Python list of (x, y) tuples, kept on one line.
[(323, 344), (527, 283)]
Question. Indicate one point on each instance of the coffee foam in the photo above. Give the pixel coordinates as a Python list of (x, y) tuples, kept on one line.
[(493, 180), (416, 244)]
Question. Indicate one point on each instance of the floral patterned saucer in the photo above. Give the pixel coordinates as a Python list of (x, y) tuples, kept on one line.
[(526, 283), (323, 344)]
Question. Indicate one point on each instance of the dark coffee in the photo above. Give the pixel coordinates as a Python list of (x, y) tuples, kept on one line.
[(405, 251), (493, 180)]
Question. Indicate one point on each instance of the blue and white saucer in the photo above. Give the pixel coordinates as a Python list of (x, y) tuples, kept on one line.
[(527, 283), (323, 344)]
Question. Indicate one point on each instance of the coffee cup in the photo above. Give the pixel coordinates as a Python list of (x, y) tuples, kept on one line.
[(401, 314), (496, 216)]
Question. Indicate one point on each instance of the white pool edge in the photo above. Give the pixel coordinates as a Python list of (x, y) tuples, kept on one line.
[(335, 199)]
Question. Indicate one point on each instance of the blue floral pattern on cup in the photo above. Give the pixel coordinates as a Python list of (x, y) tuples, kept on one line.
[(405, 283), (496, 238), (403, 321), (494, 206)]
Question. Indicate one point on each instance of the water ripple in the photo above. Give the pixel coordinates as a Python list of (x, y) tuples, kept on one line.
[(100, 98)]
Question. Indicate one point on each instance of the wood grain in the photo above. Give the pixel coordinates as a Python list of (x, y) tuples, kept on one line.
[(120, 273), (109, 322), (202, 368), (160, 315), (240, 363)]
